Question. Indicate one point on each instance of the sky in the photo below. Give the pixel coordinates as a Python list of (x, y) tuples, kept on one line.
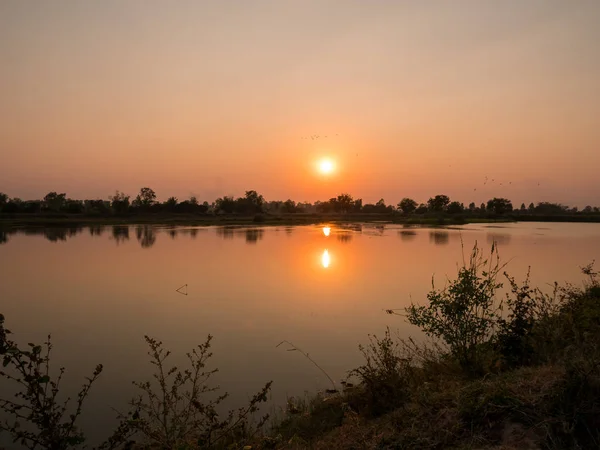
[(212, 98)]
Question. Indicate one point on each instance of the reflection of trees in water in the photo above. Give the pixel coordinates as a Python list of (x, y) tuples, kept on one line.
[(145, 235), (172, 232), (3, 237), (60, 234), (120, 233), (97, 230), (356, 227), (289, 230), (253, 235), (344, 237), (439, 237), (498, 238), (225, 232), (407, 235), (194, 233)]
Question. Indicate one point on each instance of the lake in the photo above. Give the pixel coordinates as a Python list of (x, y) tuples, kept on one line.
[(99, 290)]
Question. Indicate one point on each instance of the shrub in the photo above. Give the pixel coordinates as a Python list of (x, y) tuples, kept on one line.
[(385, 376), (171, 412), (39, 417), (464, 314)]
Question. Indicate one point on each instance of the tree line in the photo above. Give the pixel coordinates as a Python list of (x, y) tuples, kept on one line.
[(253, 203)]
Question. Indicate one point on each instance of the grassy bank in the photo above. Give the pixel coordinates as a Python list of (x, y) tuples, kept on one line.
[(531, 379), (517, 372)]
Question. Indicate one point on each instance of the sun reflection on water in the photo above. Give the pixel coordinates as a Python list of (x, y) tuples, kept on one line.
[(325, 259), (326, 231)]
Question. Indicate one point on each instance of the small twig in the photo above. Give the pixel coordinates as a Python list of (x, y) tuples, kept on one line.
[(295, 348)]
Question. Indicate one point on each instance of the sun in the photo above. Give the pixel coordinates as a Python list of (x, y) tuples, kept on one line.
[(326, 166)]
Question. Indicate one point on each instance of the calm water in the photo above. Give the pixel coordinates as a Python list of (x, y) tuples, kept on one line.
[(100, 290)]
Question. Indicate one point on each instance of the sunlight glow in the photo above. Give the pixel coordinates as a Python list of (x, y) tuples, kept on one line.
[(326, 231), (326, 166), (325, 259)]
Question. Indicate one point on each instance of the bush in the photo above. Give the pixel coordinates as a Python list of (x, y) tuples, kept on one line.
[(464, 314), (39, 417), (172, 411), (385, 376)]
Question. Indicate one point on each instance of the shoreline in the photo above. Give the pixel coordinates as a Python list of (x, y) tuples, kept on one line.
[(272, 220)]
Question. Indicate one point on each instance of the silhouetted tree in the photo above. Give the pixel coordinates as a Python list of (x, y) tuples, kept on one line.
[(438, 203), (13, 206), (251, 203), (531, 208), (3, 199), (344, 203), (120, 203), (145, 199), (225, 204), (421, 209), (588, 210), (482, 207), (472, 207), (551, 208), (523, 208), (54, 202), (73, 206), (358, 205), (407, 205), (455, 208), (171, 204), (289, 206), (499, 205)]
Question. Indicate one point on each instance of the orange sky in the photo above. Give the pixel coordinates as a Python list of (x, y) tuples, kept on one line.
[(213, 97)]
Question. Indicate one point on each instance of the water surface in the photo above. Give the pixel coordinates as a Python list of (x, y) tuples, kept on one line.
[(99, 290)]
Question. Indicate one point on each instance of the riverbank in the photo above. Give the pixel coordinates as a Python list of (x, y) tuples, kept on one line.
[(73, 220), (536, 385), (216, 220)]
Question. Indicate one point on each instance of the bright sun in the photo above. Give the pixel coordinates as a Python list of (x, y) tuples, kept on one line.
[(326, 166)]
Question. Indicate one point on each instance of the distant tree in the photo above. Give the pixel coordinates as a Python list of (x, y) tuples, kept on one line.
[(574, 210), (531, 207), (73, 206), (31, 207), (523, 208), (421, 209), (550, 208), (499, 205), (455, 208), (171, 204), (438, 203), (472, 207), (407, 206), (145, 199), (358, 205), (588, 210), (289, 206), (596, 209), (482, 207), (193, 200), (54, 201), (119, 203), (225, 204), (3, 199), (13, 206), (344, 203), (378, 208), (251, 203)]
